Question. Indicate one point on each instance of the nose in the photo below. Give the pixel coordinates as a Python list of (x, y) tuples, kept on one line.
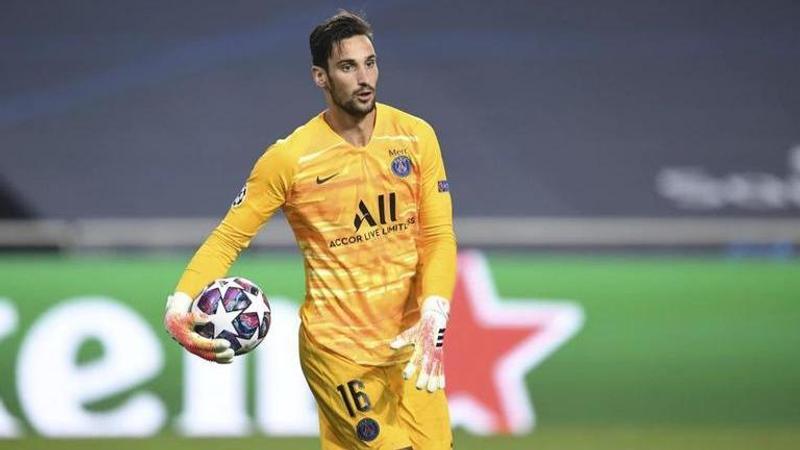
[(361, 75)]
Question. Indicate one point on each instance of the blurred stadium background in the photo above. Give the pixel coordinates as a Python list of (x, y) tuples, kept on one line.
[(626, 178)]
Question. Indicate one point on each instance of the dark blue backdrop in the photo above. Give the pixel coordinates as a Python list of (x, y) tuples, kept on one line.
[(576, 108)]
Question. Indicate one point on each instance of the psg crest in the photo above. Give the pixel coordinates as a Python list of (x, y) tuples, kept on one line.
[(401, 166), (367, 429)]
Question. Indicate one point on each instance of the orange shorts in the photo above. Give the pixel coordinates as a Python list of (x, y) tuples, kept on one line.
[(371, 407)]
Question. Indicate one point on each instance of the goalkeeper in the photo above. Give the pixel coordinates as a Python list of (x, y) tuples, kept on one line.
[(363, 187)]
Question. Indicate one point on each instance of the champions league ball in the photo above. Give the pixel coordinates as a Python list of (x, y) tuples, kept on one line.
[(238, 310)]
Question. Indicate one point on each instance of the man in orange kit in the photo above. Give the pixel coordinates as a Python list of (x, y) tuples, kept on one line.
[(363, 187)]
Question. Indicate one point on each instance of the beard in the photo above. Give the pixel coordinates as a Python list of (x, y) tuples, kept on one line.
[(349, 102)]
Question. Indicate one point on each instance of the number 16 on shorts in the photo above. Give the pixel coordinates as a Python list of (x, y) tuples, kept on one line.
[(354, 397)]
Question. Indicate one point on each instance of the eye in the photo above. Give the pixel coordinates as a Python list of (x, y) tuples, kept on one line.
[(347, 67)]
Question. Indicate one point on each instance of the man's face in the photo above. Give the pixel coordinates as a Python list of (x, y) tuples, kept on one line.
[(353, 75)]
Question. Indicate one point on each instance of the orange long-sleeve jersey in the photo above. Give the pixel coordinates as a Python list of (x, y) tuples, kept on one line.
[(374, 225)]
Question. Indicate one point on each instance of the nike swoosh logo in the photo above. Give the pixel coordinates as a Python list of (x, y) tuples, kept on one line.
[(322, 180)]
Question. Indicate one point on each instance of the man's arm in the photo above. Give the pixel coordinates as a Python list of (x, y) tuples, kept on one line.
[(437, 269), (264, 192), (438, 241)]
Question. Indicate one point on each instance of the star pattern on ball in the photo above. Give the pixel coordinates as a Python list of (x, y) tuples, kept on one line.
[(241, 312), (224, 284), (255, 305), (224, 319)]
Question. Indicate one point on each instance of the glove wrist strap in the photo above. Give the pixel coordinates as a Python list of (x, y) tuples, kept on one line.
[(179, 302), (436, 304)]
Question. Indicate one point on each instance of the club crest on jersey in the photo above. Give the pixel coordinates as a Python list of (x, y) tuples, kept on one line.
[(367, 429), (239, 197), (401, 166)]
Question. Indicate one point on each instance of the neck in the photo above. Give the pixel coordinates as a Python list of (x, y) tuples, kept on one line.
[(357, 131)]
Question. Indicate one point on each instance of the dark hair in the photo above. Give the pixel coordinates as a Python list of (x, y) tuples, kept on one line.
[(334, 30)]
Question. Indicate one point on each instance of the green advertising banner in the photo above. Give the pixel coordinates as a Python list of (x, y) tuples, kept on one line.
[(545, 351)]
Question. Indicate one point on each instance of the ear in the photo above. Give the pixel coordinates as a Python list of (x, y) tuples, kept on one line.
[(320, 76)]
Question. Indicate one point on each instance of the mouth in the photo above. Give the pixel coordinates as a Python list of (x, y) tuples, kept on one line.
[(364, 96)]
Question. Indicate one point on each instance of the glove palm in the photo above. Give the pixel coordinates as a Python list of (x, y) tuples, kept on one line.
[(427, 337), (180, 323)]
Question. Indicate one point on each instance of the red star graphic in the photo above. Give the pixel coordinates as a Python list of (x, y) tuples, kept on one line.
[(490, 346)]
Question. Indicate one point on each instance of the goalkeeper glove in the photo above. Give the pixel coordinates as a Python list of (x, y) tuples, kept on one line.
[(427, 337), (180, 322)]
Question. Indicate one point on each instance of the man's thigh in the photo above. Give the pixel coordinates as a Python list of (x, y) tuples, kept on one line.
[(424, 415), (359, 406)]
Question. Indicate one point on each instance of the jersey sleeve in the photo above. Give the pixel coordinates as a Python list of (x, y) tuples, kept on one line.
[(438, 242), (265, 191)]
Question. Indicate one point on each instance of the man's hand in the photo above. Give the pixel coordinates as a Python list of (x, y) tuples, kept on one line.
[(427, 337), (180, 321)]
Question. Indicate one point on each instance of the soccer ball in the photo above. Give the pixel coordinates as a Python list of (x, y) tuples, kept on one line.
[(238, 310)]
